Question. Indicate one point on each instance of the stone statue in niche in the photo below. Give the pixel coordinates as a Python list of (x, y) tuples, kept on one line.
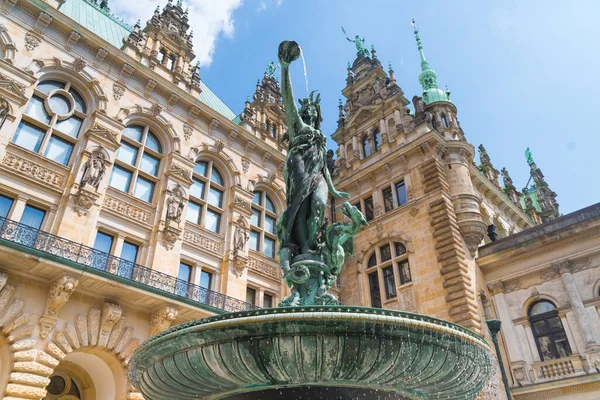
[(4, 110), (175, 206), (95, 167), (240, 238)]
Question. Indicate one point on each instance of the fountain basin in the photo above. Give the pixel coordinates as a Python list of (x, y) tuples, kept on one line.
[(273, 353)]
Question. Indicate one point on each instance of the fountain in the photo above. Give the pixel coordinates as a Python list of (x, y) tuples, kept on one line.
[(311, 347)]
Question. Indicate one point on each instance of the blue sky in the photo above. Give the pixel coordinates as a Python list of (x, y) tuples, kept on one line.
[(522, 73)]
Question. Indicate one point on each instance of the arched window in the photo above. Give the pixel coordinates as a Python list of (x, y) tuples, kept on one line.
[(445, 121), (206, 196), (387, 268), (137, 164), (366, 146), (548, 331), (263, 221), (52, 121), (377, 140), (62, 386)]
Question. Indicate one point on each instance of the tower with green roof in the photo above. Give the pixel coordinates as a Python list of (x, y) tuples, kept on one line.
[(428, 78)]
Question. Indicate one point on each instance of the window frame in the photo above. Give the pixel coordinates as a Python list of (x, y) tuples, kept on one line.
[(550, 332), (51, 129), (202, 202), (380, 267), (264, 212), (135, 169)]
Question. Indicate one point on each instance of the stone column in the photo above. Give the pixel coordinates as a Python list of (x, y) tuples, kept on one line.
[(508, 329), (564, 268), (534, 350)]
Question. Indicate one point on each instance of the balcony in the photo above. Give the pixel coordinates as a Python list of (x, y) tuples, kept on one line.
[(560, 368), (74, 254)]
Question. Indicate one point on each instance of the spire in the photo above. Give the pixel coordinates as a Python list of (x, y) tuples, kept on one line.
[(543, 198), (428, 77)]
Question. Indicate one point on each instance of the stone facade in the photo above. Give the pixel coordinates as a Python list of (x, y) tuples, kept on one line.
[(555, 264), (64, 304)]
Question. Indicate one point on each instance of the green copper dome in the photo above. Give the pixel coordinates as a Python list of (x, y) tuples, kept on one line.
[(428, 77)]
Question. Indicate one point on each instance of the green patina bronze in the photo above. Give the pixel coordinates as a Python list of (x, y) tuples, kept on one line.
[(271, 68), (311, 252), (361, 51), (395, 354), (529, 156)]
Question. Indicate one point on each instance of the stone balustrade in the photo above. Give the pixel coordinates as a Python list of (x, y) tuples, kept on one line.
[(561, 368)]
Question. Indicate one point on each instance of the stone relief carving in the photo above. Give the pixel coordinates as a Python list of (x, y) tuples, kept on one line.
[(420, 113), (175, 203), (187, 131), (264, 268), (162, 318), (118, 90), (58, 294), (32, 40), (245, 204), (33, 170), (79, 64), (240, 238), (201, 241), (126, 209), (111, 313)]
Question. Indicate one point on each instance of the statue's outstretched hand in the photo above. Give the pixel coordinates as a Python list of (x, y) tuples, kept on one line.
[(341, 195), (288, 51)]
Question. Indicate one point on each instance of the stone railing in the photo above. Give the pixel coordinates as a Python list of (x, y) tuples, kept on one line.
[(561, 368), (114, 267)]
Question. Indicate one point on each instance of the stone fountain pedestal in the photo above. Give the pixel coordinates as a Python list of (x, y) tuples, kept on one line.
[(328, 352)]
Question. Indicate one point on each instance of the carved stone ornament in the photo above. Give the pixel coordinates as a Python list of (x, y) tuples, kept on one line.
[(562, 267), (240, 238), (175, 203), (187, 131), (496, 288), (161, 319), (242, 203), (111, 313), (95, 168), (157, 109), (32, 40), (4, 110), (171, 235), (100, 56), (219, 145), (118, 90), (79, 64), (240, 263), (84, 201), (58, 294), (245, 164)]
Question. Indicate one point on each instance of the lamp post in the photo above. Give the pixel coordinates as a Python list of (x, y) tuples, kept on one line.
[(494, 327)]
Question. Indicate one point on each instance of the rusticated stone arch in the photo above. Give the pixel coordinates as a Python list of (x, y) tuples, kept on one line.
[(28, 367), (75, 72), (156, 121), (215, 153), (7, 46), (393, 236)]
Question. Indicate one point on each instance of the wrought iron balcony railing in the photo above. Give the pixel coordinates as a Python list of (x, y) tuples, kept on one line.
[(91, 258)]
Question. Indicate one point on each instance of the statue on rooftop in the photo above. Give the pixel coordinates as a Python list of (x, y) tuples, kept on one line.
[(306, 242), (271, 68), (359, 43), (529, 156)]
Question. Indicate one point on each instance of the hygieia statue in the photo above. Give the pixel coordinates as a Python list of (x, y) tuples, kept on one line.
[(311, 251)]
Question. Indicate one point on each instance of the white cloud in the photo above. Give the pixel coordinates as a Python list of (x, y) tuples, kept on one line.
[(208, 18), (264, 4)]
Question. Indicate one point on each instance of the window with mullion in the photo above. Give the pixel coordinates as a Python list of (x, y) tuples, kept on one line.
[(137, 164), (263, 220), (52, 121), (207, 196), (389, 260)]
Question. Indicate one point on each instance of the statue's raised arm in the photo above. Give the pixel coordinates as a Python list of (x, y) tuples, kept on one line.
[(289, 51)]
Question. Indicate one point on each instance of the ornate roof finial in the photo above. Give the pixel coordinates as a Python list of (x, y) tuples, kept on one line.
[(349, 65), (179, 3), (428, 77), (339, 102), (390, 67), (157, 10)]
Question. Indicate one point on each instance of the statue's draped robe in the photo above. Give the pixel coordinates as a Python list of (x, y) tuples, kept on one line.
[(304, 170)]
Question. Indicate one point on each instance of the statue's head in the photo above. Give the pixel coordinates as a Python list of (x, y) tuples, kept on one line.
[(310, 110)]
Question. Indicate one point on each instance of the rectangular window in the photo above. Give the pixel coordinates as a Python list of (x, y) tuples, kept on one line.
[(388, 199), (388, 282), (212, 221), (149, 164), (144, 189), (120, 179), (103, 245), (129, 254), (58, 150), (127, 153), (250, 295), (215, 197), (404, 269), (254, 240), (5, 205), (401, 193), (28, 136), (374, 289), (197, 189), (70, 126), (184, 275), (33, 217), (267, 301), (255, 218), (193, 213), (269, 247), (205, 279), (36, 109), (270, 224), (369, 212)]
